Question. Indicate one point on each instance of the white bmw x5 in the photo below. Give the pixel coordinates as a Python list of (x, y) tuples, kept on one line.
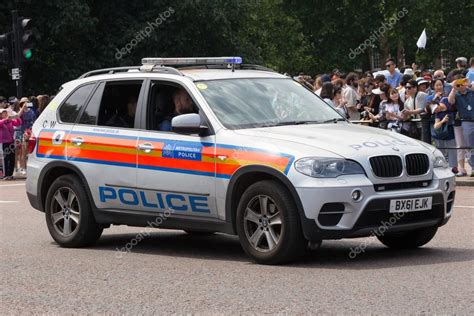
[(247, 152)]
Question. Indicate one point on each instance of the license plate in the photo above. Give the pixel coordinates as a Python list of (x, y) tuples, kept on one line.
[(411, 205)]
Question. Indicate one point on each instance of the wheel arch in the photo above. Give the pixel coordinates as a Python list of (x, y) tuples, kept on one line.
[(246, 176), (52, 171)]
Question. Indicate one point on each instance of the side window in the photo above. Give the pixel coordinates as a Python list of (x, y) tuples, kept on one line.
[(118, 104), (89, 116), (73, 105), (166, 101)]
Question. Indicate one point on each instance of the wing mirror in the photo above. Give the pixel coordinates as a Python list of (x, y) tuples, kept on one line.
[(188, 124)]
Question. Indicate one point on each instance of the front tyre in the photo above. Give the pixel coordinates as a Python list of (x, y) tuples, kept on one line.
[(68, 213), (268, 224), (409, 240)]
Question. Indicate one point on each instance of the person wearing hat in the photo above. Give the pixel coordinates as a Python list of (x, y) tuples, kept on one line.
[(423, 85), (6, 138), (463, 100)]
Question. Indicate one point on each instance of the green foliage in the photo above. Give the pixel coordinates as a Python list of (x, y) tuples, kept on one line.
[(314, 36)]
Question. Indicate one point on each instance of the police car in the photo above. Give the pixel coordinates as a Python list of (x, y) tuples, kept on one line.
[(222, 146)]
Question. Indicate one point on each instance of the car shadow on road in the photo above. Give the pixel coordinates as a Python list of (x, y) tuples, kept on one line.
[(331, 255)]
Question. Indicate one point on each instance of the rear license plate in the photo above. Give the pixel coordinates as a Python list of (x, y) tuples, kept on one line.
[(411, 205)]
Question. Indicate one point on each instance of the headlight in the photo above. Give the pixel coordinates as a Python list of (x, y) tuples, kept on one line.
[(439, 160), (327, 167)]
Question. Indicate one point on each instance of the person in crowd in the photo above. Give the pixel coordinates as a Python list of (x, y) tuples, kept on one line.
[(401, 87), (367, 85), (461, 65), (409, 72), (393, 76), (380, 80), (7, 125), (317, 85), (390, 108), (368, 75), (320, 81), (415, 104), (470, 72), (439, 74), (327, 93), (337, 98), (28, 117), (350, 96), (423, 85), (463, 100), (43, 101), (183, 104), (442, 129), (34, 101)]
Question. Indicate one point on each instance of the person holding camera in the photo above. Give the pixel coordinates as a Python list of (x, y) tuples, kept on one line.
[(389, 113), (463, 100), (415, 104), (442, 130)]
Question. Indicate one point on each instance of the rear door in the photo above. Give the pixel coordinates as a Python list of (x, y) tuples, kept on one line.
[(103, 143)]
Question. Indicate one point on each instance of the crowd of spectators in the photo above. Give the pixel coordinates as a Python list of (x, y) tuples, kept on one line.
[(16, 119), (425, 105)]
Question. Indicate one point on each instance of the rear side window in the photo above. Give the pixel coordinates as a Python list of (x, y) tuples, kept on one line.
[(89, 116), (73, 105)]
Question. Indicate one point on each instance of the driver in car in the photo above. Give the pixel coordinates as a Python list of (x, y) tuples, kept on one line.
[(183, 104)]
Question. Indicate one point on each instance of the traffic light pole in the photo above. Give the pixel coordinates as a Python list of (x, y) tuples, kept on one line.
[(17, 53)]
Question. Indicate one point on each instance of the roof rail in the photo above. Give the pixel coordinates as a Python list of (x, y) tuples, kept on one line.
[(108, 71), (146, 68)]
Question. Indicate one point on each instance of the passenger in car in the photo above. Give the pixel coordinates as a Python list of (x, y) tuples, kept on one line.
[(126, 120), (183, 104)]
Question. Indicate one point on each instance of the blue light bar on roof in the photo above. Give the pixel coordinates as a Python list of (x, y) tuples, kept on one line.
[(191, 61)]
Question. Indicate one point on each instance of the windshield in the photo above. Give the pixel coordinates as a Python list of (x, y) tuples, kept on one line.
[(246, 103)]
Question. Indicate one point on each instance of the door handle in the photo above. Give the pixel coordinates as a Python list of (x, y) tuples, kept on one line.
[(77, 141), (146, 147)]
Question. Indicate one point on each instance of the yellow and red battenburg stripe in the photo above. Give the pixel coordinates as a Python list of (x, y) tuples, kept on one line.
[(167, 155)]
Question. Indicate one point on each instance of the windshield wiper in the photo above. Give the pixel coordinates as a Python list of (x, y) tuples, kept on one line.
[(334, 120)]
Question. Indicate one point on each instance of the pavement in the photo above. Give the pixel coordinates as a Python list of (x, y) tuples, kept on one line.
[(172, 272)]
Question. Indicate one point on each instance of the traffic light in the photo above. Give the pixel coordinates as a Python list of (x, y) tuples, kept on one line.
[(5, 48), (26, 38)]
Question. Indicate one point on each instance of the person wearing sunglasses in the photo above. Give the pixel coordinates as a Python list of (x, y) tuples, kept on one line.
[(394, 76), (463, 100), (415, 103)]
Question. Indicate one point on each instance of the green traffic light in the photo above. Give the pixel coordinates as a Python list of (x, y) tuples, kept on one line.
[(27, 53)]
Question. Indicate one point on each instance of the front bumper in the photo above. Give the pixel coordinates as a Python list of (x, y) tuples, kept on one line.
[(331, 212)]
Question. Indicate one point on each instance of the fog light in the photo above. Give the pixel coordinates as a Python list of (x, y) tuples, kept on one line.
[(446, 186), (356, 195)]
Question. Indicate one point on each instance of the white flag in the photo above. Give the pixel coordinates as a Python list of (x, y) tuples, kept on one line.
[(421, 43)]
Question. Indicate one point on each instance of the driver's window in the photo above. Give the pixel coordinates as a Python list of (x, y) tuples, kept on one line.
[(166, 101)]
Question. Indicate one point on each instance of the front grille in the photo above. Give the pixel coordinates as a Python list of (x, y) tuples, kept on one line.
[(376, 213), (386, 166), (417, 164)]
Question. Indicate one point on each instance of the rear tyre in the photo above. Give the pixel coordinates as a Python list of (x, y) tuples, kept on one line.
[(268, 224), (409, 240), (68, 213)]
